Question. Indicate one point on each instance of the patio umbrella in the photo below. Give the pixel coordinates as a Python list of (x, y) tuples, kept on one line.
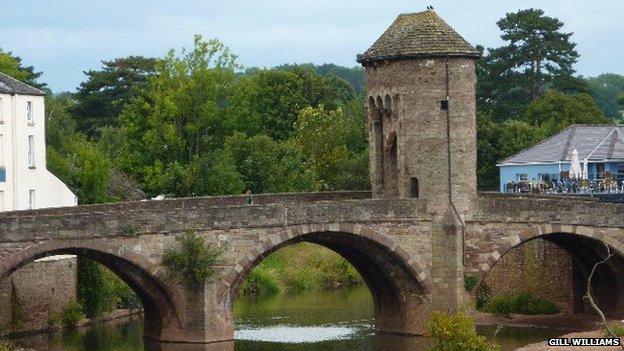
[(575, 166), (585, 170)]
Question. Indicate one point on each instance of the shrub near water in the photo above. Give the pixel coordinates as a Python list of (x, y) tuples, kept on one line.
[(194, 261), (523, 303), (456, 332), (72, 314), (300, 267)]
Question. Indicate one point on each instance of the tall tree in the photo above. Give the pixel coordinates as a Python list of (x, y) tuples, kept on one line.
[(537, 56), (174, 128), (100, 99), (12, 66), (556, 111), (607, 89)]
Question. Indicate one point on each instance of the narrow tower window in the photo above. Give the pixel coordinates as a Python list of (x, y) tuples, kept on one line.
[(31, 199), (414, 187), (31, 151), (29, 112), (444, 105)]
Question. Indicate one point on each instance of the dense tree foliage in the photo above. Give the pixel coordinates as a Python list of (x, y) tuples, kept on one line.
[(536, 57), (527, 90), (199, 128), (11, 65), (104, 94), (608, 90)]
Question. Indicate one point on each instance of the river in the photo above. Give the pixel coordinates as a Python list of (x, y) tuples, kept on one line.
[(312, 321)]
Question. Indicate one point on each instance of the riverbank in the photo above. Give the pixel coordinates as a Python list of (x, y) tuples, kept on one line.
[(561, 321), (298, 268), (543, 346)]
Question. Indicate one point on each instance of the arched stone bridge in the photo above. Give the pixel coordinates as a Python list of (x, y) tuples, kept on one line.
[(403, 251)]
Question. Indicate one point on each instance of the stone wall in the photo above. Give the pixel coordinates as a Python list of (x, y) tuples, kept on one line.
[(538, 267), (41, 289)]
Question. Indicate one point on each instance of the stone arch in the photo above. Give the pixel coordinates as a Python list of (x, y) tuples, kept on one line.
[(151, 285), (586, 246), (398, 283)]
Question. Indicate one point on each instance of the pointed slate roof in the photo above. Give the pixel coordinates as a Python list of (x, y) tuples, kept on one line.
[(593, 142), (420, 34), (10, 85)]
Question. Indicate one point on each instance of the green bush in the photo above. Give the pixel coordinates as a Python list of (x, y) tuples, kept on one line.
[(470, 282), (259, 283), (300, 267), (194, 261), (501, 305), (456, 332), (522, 303), (6, 345), (616, 328), (72, 314)]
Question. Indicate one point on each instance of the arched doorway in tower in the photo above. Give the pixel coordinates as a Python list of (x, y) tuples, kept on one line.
[(333, 291), (548, 275)]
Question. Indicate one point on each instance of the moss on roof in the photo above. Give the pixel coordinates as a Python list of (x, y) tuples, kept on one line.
[(420, 34)]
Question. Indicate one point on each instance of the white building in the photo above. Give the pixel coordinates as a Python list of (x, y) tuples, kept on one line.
[(25, 182)]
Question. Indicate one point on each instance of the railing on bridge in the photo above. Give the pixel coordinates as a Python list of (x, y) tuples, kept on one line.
[(556, 184)]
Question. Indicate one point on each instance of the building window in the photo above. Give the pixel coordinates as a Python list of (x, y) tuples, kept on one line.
[(29, 112), (31, 151), (31, 199), (2, 174), (444, 105), (414, 187), (522, 177)]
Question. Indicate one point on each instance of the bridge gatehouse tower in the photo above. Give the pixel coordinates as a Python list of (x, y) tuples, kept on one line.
[(421, 112)]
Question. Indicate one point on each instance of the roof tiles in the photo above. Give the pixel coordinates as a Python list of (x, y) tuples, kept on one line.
[(594, 142), (421, 34), (10, 85)]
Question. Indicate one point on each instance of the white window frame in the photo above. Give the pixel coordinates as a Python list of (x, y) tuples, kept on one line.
[(519, 177), (31, 199), (30, 113), (31, 151)]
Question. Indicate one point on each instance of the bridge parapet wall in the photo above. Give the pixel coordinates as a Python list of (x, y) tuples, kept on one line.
[(549, 209)]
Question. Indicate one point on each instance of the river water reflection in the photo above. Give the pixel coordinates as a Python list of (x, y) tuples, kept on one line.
[(317, 321)]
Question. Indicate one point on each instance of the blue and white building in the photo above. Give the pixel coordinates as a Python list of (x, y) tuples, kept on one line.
[(548, 165)]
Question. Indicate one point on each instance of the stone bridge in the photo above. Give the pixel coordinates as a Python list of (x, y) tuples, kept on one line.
[(406, 253)]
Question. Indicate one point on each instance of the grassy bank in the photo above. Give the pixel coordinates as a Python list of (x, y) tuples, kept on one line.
[(300, 267)]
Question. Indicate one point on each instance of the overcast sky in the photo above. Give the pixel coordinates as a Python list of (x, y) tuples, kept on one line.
[(63, 38)]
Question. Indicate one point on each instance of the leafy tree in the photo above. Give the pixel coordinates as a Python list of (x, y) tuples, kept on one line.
[(265, 165), (181, 119), (537, 56), (282, 94), (101, 98), (488, 152), (556, 111), (355, 76), (12, 66), (334, 142), (608, 89)]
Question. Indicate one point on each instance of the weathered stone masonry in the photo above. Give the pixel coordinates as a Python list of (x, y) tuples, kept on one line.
[(413, 239)]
